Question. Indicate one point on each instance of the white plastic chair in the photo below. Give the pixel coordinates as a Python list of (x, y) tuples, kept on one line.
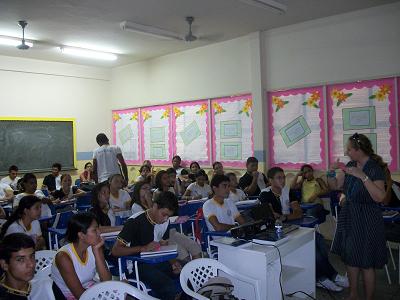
[(44, 260), (113, 290), (199, 271)]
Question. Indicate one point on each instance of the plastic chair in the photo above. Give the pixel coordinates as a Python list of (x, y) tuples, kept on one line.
[(113, 290), (199, 271), (83, 203), (59, 228), (44, 258)]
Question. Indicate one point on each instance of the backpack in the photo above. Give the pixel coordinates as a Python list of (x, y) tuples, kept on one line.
[(218, 288)]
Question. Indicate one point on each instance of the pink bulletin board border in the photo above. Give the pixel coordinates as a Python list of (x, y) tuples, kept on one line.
[(192, 103), (170, 144), (392, 108), (293, 166), (398, 121), (126, 111), (239, 164)]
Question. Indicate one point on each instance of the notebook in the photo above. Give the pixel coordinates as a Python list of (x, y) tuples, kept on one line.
[(247, 202), (163, 250)]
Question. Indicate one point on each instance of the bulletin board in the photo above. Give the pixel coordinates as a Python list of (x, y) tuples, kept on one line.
[(190, 133), (297, 129), (156, 132), (366, 107), (232, 130), (125, 126)]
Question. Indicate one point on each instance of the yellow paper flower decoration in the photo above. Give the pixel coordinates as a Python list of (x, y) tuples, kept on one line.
[(279, 103), (177, 112), (116, 117), (134, 116), (382, 93), (246, 107), (312, 100), (165, 114), (218, 108), (203, 109), (145, 115), (340, 96)]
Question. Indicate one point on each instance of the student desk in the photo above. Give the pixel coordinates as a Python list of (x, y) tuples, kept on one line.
[(262, 262)]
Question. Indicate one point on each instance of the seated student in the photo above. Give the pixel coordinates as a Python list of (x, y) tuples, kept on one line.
[(29, 188), (17, 259), (187, 248), (145, 172), (145, 232), (252, 182), (174, 182), (25, 220), (119, 198), (311, 189), (75, 264), (6, 192), (12, 178), (235, 194), (176, 164), (184, 180), (67, 191), (218, 168), (142, 197), (219, 212), (199, 189), (277, 195), (53, 181), (87, 175), (101, 209), (162, 182), (193, 169)]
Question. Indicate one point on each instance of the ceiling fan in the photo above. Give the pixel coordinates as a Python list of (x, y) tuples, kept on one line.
[(159, 32), (23, 45)]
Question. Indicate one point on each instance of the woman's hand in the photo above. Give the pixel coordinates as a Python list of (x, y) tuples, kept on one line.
[(98, 247), (163, 242), (176, 267), (355, 171), (342, 199)]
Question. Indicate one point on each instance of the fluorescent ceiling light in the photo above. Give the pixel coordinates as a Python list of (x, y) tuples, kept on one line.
[(88, 53), (150, 30), (12, 41), (268, 4)]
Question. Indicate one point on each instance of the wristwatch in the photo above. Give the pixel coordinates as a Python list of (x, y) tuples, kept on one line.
[(365, 178)]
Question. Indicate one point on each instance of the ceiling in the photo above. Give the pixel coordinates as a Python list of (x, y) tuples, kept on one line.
[(95, 24)]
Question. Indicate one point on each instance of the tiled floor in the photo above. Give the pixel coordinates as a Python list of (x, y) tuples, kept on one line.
[(384, 291)]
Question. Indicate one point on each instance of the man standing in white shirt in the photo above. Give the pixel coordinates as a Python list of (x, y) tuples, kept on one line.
[(107, 160), (12, 178), (219, 212)]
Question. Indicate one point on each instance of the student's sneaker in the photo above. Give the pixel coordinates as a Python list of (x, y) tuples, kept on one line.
[(342, 281), (329, 285)]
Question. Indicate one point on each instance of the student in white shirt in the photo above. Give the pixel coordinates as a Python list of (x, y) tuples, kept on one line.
[(12, 178), (176, 164), (219, 212), (75, 264), (235, 194), (218, 168), (199, 189), (119, 198), (165, 182), (29, 188), (142, 197), (25, 219), (106, 159), (6, 192)]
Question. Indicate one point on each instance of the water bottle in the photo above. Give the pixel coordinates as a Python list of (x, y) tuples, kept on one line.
[(278, 229)]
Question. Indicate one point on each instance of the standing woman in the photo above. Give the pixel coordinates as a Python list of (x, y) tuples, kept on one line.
[(76, 263), (360, 236)]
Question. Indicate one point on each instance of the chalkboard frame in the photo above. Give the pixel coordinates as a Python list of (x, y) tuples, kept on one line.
[(39, 119)]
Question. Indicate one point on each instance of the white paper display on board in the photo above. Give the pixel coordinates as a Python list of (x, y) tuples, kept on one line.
[(232, 132), (156, 127), (365, 107), (297, 129), (190, 132), (126, 133)]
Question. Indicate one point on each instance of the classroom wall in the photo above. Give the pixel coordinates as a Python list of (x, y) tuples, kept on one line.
[(364, 44), (34, 88)]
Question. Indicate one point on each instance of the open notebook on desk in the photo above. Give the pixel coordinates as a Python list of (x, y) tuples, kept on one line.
[(163, 250)]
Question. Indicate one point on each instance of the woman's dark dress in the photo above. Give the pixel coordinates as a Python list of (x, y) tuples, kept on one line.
[(360, 236)]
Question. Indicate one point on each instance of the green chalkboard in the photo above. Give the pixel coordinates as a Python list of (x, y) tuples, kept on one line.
[(34, 145)]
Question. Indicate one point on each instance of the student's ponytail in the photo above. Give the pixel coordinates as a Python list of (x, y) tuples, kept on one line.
[(26, 203)]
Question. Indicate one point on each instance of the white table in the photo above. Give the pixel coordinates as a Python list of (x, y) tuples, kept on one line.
[(261, 262)]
